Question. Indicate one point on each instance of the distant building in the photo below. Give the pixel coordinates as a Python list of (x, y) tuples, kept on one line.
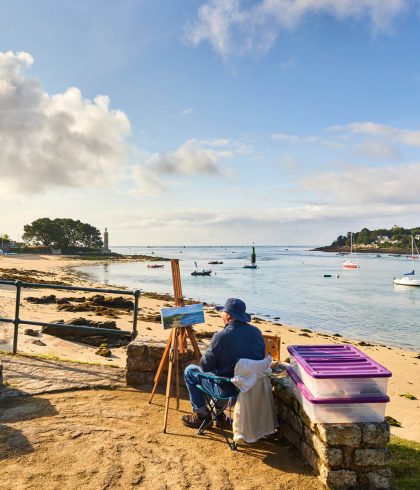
[(106, 242)]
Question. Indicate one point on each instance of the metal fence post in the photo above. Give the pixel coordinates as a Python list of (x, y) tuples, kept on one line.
[(18, 285), (136, 293)]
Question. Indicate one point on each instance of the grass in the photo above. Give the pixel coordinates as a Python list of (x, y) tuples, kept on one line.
[(405, 464)]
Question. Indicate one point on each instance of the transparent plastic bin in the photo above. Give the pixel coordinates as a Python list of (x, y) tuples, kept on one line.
[(340, 387), (338, 410)]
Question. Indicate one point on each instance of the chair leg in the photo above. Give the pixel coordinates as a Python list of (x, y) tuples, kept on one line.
[(214, 414)]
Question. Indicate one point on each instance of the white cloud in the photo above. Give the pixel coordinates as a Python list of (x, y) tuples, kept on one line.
[(54, 140), (193, 158), (235, 27), (378, 149), (402, 136), (358, 185), (186, 111), (293, 138)]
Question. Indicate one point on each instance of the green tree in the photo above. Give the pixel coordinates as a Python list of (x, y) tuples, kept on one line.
[(62, 233)]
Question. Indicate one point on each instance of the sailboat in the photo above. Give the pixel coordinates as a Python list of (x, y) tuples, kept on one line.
[(253, 264), (408, 279), (349, 264)]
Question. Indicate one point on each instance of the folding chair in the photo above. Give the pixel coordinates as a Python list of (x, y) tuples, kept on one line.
[(217, 406)]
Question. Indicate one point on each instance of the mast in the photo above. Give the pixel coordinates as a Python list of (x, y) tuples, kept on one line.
[(253, 255)]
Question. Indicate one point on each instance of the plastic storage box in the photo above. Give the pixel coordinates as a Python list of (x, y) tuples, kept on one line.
[(338, 371), (338, 410)]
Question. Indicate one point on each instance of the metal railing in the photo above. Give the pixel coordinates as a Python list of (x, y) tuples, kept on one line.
[(81, 328)]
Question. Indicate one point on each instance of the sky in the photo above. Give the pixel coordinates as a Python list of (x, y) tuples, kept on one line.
[(201, 122)]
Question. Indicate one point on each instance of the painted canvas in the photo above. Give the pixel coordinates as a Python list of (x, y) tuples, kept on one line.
[(182, 316)]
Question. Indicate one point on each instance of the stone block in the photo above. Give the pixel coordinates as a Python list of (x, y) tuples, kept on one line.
[(375, 435), (340, 434), (283, 412), (305, 418), (295, 422), (309, 455), (379, 480), (329, 456), (339, 479), (281, 388), (348, 455), (292, 436), (135, 378), (371, 457)]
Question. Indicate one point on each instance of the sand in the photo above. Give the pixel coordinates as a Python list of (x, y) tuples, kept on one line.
[(113, 439), (402, 363)]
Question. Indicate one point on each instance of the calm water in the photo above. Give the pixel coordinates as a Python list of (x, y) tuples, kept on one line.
[(289, 284)]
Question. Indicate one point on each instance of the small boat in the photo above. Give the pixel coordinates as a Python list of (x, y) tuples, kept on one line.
[(201, 273), (155, 266), (408, 279), (378, 255), (215, 262), (349, 264), (250, 266)]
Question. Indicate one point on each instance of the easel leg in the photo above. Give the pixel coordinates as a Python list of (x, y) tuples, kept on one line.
[(162, 365), (174, 347), (176, 360)]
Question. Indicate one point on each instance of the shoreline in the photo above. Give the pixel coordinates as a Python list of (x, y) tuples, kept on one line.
[(398, 360)]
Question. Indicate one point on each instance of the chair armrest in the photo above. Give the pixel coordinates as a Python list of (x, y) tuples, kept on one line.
[(213, 377)]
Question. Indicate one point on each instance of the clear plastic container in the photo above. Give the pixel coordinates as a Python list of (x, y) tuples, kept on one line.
[(338, 410), (338, 370), (340, 387)]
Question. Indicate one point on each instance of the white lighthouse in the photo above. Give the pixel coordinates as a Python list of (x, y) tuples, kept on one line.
[(106, 241)]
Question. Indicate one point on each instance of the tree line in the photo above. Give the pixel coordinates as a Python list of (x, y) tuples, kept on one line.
[(62, 233), (397, 234)]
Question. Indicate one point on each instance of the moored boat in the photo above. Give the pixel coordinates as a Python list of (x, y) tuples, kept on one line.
[(349, 264), (201, 273), (408, 279)]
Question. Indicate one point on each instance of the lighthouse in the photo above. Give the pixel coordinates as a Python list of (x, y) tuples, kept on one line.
[(106, 239)]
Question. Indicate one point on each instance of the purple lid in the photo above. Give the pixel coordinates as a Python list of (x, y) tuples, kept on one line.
[(308, 395), (336, 361)]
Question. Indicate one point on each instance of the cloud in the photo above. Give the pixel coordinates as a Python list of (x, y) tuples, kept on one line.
[(357, 185), (292, 138), (406, 137), (59, 140), (193, 158), (237, 27), (186, 111), (378, 149)]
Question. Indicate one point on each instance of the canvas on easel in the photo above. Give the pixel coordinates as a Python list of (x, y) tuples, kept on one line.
[(177, 342)]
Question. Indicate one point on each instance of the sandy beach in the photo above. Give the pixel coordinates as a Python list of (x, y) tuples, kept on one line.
[(404, 365)]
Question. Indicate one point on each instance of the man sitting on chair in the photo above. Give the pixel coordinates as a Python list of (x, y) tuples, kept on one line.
[(238, 340)]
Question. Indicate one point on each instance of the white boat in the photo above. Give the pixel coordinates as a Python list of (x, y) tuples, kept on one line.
[(409, 279), (350, 264)]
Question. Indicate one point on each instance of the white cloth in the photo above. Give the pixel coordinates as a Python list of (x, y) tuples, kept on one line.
[(254, 415), (248, 372)]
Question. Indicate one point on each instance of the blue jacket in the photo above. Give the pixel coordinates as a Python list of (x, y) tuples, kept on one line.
[(238, 340)]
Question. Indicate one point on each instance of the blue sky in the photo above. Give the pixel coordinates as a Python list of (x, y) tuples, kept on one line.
[(279, 122)]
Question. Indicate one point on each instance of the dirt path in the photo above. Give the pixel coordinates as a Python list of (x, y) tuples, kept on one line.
[(103, 439)]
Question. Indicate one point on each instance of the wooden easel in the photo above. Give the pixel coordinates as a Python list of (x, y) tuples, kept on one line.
[(177, 343)]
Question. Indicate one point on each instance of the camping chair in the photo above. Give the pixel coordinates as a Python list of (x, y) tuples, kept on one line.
[(217, 406)]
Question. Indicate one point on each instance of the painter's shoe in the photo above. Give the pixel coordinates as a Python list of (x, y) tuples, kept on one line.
[(195, 420)]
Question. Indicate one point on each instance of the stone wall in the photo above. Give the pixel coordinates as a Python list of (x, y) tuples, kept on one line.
[(344, 456), (143, 360)]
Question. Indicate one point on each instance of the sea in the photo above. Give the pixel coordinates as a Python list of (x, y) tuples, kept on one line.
[(288, 287)]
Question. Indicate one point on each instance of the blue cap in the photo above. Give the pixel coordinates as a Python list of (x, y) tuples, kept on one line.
[(236, 308)]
